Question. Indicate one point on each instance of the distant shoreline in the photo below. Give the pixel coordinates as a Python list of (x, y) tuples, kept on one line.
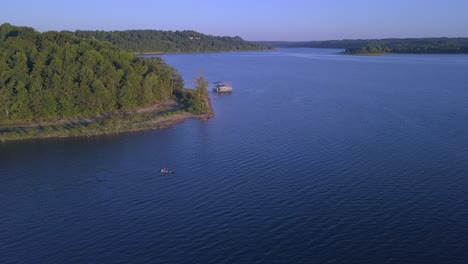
[(435, 45), (195, 52)]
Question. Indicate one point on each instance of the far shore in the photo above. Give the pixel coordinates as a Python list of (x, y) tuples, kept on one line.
[(193, 52)]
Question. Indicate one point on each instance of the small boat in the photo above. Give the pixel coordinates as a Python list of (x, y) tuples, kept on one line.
[(166, 171)]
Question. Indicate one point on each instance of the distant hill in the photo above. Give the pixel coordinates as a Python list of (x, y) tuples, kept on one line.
[(374, 46), (147, 41)]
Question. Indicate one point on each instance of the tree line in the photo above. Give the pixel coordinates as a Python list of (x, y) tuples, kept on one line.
[(391, 45), (142, 41), (55, 75), (418, 46)]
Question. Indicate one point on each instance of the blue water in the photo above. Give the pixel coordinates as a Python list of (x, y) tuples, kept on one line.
[(315, 157)]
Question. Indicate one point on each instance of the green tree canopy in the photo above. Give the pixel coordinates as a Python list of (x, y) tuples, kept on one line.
[(141, 41), (392, 45), (53, 75)]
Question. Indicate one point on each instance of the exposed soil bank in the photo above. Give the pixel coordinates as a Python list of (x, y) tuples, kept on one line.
[(158, 116)]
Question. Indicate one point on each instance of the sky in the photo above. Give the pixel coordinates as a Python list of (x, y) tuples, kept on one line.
[(291, 20)]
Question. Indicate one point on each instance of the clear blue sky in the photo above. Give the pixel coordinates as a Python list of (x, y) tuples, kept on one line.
[(250, 19)]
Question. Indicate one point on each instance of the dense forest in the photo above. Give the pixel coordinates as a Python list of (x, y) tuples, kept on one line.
[(57, 75), (143, 41), (375, 46), (426, 45)]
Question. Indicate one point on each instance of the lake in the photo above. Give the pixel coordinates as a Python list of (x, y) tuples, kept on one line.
[(315, 157)]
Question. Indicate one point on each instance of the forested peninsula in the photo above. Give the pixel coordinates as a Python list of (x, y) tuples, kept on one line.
[(158, 41), (381, 46), (55, 84)]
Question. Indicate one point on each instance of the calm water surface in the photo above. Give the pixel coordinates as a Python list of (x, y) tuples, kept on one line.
[(315, 158)]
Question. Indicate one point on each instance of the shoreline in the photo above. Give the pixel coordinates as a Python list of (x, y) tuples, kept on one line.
[(162, 120), (162, 124), (193, 52)]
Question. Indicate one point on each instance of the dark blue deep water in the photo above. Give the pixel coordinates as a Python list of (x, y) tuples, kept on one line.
[(315, 158)]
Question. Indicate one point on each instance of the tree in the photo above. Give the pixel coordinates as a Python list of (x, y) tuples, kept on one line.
[(5, 103), (199, 98), (148, 85), (201, 87), (19, 108)]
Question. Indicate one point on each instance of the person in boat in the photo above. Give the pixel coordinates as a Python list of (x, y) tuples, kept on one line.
[(166, 170)]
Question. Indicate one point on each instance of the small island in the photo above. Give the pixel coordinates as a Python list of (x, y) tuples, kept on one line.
[(55, 84)]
